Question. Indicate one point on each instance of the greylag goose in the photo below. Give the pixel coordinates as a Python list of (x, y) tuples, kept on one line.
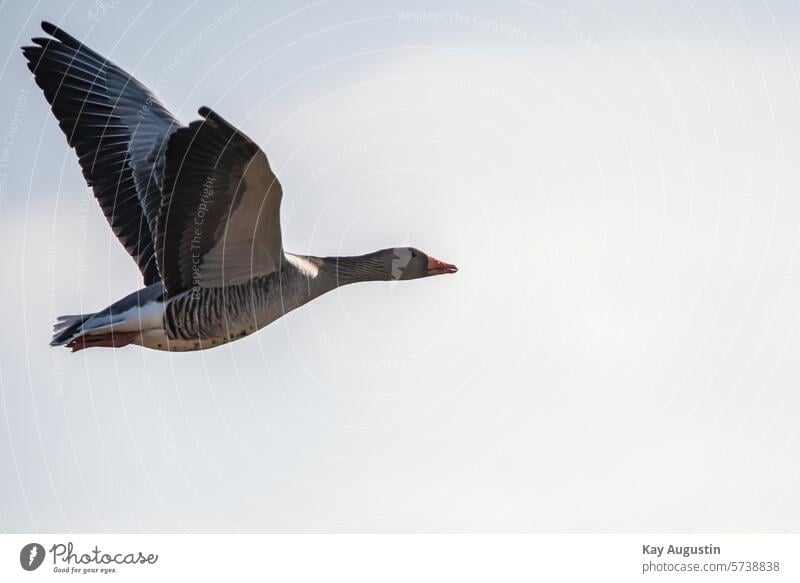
[(197, 207)]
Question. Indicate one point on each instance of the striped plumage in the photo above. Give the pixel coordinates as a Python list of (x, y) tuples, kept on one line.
[(196, 206)]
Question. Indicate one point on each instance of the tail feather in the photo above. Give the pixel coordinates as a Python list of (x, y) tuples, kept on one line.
[(67, 328)]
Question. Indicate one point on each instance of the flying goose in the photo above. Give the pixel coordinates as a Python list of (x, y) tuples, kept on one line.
[(196, 206)]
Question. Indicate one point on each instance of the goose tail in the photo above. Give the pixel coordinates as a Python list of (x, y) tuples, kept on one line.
[(67, 328)]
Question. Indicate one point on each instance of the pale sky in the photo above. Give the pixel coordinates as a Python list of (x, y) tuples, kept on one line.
[(618, 182)]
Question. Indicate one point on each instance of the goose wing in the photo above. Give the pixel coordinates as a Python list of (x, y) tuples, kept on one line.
[(118, 129), (219, 222)]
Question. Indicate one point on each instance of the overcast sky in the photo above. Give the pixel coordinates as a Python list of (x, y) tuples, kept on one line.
[(618, 182)]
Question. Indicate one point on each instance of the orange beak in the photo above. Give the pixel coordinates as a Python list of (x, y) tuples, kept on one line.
[(436, 267)]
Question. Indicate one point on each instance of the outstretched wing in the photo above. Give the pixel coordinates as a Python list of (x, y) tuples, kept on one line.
[(219, 222), (118, 129)]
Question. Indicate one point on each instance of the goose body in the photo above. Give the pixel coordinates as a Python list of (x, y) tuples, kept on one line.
[(196, 206), (194, 320)]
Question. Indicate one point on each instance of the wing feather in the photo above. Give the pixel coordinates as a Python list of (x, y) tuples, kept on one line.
[(115, 125), (219, 222)]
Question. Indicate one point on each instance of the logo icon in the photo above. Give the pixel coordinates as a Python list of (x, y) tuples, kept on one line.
[(31, 556)]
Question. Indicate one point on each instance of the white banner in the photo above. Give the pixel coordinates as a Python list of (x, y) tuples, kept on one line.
[(399, 558)]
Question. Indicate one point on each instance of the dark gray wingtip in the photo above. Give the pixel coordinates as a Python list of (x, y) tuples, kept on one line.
[(212, 116), (59, 34)]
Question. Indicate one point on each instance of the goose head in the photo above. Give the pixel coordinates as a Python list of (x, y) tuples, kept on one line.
[(411, 263)]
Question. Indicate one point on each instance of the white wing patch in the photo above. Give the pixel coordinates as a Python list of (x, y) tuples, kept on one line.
[(305, 266)]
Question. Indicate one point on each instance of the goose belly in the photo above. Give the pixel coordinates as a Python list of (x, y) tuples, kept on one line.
[(160, 340), (217, 316)]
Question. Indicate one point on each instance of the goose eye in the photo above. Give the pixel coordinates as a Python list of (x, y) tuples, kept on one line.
[(413, 254)]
